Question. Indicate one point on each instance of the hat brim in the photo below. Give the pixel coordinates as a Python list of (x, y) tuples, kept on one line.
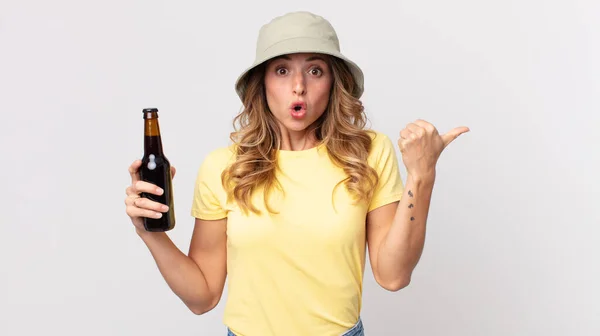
[(300, 45)]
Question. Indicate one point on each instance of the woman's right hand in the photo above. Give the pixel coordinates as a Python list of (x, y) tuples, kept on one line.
[(138, 207)]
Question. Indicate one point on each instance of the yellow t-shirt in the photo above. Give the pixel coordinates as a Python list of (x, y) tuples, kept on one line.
[(299, 272)]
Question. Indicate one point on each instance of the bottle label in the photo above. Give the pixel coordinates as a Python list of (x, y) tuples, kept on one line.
[(152, 162)]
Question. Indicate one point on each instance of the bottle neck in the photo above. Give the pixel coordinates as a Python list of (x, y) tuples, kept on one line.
[(152, 138)]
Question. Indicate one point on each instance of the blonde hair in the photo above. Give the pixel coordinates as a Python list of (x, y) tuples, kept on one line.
[(257, 137)]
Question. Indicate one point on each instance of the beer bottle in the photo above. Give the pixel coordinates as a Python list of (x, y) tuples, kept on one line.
[(156, 169)]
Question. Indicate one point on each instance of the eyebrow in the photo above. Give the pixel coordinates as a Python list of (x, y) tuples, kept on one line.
[(312, 58)]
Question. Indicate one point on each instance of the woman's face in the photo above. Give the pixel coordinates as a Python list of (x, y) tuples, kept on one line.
[(297, 89)]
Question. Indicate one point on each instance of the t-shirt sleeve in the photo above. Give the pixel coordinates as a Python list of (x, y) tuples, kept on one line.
[(209, 196), (385, 161)]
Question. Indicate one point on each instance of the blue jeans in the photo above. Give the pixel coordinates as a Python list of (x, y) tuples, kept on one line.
[(356, 330)]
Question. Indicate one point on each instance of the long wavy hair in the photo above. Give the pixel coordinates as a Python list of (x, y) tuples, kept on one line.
[(256, 136)]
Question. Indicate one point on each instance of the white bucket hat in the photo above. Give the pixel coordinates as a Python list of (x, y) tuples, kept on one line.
[(298, 32)]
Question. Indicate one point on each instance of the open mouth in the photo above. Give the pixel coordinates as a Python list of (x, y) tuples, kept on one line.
[(298, 110), (297, 106)]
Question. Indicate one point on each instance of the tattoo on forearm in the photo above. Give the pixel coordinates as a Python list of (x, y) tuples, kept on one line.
[(411, 205)]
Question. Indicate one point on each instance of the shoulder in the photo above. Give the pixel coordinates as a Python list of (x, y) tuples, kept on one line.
[(381, 146), (217, 159), (220, 155), (379, 138)]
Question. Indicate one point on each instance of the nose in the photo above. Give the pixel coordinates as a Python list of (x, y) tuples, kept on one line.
[(299, 85)]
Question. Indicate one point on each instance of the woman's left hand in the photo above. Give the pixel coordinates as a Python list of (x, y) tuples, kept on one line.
[(421, 146)]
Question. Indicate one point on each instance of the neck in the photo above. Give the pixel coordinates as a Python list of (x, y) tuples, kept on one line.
[(297, 140), (153, 145), (152, 138)]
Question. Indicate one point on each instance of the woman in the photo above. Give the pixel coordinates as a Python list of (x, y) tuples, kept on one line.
[(285, 212)]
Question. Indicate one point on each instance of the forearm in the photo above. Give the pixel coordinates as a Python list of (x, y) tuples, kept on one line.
[(403, 244), (183, 275)]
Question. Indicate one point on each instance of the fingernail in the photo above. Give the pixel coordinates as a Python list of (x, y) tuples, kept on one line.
[(159, 191), (165, 208), (158, 215)]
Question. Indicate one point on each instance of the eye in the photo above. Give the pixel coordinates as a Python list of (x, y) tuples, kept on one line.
[(281, 71), (316, 71)]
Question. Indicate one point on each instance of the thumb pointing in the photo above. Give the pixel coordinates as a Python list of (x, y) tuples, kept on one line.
[(453, 134)]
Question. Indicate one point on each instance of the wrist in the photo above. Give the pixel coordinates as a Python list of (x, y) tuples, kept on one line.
[(141, 232), (422, 177)]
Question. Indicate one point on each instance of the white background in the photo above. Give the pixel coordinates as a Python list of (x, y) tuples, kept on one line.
[(512, 245)]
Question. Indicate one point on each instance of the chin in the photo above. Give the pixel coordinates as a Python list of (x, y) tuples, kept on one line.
[(297, 125)]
